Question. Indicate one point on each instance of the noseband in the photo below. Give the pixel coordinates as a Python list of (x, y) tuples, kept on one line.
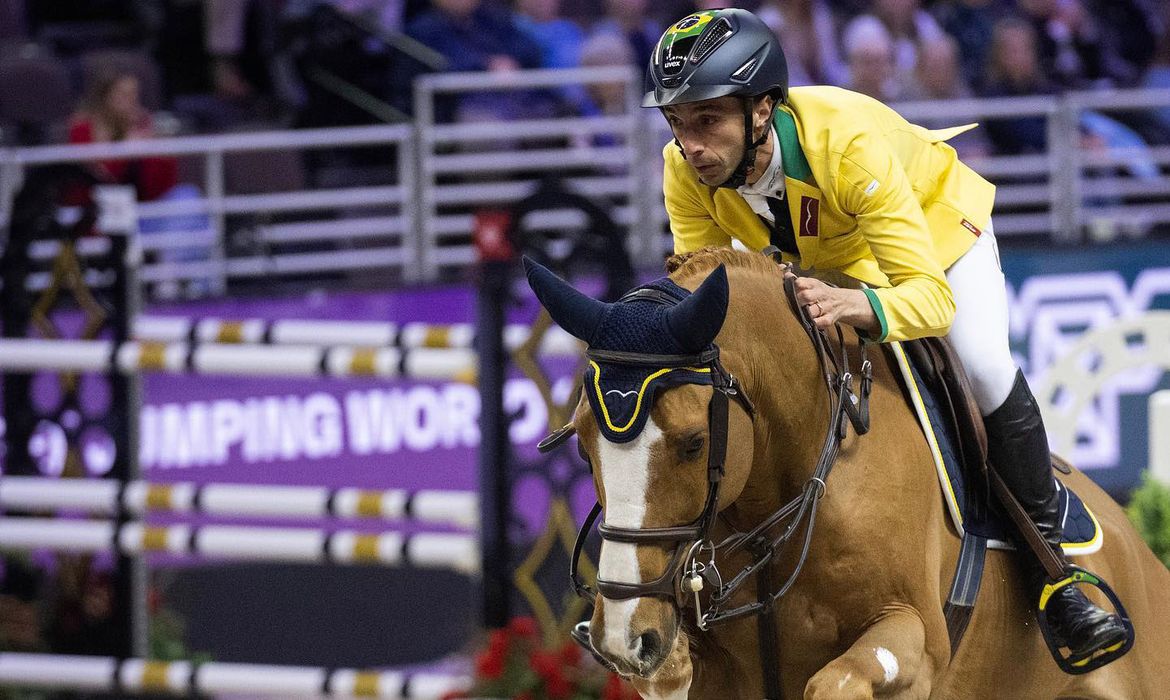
[(687, 573)]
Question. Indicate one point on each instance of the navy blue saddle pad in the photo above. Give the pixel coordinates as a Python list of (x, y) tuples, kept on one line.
[(1082, 532)]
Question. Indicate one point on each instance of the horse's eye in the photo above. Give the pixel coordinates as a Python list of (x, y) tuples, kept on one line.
[(694, 446)]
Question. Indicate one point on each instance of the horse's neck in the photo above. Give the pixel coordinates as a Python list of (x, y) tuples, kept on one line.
[(783, 377)]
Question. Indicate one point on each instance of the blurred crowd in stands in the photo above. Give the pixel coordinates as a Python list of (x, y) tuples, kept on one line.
[(108, 70)]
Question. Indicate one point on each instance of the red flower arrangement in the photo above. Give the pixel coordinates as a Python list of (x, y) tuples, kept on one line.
[(514, 664)]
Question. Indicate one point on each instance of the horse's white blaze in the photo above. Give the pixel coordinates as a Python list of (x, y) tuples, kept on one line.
[(889, 664), (625, 474)]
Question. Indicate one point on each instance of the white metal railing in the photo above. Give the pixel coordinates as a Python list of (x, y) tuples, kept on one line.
[(442, 173), (203, 234), (492, 166)]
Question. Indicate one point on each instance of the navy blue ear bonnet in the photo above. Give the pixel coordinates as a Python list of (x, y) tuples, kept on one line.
[(621, 395), (659, 318)]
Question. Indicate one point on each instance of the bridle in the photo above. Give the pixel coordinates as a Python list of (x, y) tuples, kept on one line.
[(684, 537), (687, 573)]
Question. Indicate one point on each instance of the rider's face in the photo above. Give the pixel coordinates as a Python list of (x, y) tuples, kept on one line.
[(711, 134)]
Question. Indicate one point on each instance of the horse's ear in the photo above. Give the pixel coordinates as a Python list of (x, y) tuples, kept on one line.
[(578, 314), (696, 321)]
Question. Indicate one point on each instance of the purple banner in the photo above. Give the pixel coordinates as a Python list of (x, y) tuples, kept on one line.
[(324, 431), (332, 432)]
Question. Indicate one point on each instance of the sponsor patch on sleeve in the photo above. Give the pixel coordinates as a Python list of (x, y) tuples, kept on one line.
[(971, 227)]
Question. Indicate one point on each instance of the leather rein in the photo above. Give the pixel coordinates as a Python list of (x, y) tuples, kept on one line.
[(692, 567)]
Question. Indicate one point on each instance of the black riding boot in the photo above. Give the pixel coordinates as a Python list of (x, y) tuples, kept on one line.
[(1018, 449)]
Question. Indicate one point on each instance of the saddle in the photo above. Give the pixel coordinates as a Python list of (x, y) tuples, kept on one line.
[(940, 369), (984, 513), (945, 377)]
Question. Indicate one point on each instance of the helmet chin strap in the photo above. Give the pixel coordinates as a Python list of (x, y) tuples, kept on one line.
[(739, 177)]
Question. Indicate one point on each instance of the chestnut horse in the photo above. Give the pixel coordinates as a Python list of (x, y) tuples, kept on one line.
[(864, 617)]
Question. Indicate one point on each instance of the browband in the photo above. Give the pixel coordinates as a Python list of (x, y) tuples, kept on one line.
[(638, 359)]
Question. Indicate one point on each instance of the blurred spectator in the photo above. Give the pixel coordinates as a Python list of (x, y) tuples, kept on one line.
[(1102, 191), (559, 39), (1013, 68), (241, 37), (938, 77), (808, 32), (1102, 134), (237, 74), (1131, 29), (224, 25), (113, 111), (1158, 74), (628, 18), (560, 42), (339, 49), (605, 99), (870, 53), (971, 23), (909, 26), (474, 36), (1072, 46), (607, 50)]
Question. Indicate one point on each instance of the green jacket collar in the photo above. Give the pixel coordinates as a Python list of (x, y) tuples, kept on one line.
[(795, 164)]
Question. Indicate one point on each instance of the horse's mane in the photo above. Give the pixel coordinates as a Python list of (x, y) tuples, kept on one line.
[(707, 259)]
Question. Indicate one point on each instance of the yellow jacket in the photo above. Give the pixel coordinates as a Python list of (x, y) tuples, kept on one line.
[(880, 199)]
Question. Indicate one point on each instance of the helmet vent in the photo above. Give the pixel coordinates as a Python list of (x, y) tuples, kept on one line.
[(718, 32), (747, 71), (744, 71)]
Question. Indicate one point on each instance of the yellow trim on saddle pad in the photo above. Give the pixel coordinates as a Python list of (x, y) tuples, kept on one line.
[(641, 392), (1072, 549), (931, 440), (1092, 545)]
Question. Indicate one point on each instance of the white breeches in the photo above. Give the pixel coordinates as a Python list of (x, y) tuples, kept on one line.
[(979, 333)]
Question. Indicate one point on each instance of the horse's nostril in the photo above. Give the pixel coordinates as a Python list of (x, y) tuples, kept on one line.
[(649, 646)]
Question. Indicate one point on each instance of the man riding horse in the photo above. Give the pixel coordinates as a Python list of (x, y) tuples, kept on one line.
[(838, 181)]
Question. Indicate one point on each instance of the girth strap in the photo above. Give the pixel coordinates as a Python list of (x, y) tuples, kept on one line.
[(965, 587)]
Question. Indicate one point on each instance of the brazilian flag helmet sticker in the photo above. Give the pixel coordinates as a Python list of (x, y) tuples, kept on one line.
[(678, 41)]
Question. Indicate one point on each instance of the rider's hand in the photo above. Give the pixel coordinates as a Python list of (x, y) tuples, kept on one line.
[(828, 306)]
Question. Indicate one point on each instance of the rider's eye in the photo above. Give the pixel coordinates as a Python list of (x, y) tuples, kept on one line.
[(693, 447)]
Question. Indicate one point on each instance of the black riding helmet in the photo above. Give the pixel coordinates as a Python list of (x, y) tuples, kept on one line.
[(715, 54)]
